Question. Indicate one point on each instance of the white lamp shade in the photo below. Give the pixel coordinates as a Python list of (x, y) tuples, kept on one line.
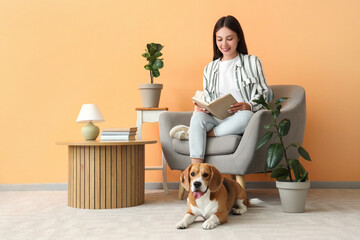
[(90, 112)]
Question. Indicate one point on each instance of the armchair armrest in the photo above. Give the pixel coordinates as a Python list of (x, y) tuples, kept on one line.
[(251, 160), (167, 121)]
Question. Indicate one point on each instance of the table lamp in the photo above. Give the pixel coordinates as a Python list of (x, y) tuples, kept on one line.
[(90, 113)]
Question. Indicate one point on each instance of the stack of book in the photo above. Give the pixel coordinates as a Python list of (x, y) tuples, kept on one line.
[(118, 134)]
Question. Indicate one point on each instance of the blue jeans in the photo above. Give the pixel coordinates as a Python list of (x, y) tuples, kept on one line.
[(201, 123)]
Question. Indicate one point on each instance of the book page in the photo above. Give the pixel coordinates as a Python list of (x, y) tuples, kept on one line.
[(131, 129), (199, 99), (220, 106)]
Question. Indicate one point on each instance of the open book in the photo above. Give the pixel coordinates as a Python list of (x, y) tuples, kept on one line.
[(219, 107)]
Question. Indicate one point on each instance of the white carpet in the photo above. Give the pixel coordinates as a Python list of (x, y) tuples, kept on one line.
[(330, 214)]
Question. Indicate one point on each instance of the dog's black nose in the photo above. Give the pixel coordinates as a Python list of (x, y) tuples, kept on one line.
[(197, 184)]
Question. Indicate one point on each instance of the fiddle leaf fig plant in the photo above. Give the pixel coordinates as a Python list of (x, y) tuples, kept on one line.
[(152, 54), (278, 151)]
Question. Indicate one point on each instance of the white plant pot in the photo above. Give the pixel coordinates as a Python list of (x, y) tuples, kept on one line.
[(293, 195), (150, 94)]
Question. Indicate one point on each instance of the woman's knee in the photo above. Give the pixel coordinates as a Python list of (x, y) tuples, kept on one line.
[(236, 124), (244, 115), (198, 119), (201, 120)]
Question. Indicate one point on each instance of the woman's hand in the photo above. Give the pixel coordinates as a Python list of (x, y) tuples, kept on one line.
[(240, 106), (200, 109)]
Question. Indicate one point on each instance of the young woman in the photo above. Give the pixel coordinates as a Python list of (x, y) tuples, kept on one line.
[(231, 71)]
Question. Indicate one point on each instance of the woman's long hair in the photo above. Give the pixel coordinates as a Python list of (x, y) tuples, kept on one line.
[(233, 24)]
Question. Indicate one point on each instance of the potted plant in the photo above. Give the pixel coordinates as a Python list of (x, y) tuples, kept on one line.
[(150, 93), (291, 176)]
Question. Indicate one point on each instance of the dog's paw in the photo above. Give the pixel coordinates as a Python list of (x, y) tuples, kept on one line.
[(236, 211), (181, 225), (239, 211), (208, 224)]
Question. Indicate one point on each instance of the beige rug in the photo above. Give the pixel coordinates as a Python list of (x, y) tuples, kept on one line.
[(330, 214)]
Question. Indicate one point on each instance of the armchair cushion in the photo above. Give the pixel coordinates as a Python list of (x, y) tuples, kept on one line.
[(214, 146)]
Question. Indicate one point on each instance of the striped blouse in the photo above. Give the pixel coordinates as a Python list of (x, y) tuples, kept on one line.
[(249, 75)]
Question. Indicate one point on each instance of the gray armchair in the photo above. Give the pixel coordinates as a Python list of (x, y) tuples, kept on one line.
[(235, 154)]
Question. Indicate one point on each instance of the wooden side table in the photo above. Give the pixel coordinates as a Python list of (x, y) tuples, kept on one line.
[(151, 115), (106, 174)]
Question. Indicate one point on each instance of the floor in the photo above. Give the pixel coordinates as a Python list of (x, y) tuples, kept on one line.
[(330, 214)]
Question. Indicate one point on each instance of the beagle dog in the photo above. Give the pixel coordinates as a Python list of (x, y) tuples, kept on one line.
[(211, 196)]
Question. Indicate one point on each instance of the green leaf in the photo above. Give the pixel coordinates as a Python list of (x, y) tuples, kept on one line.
[(147, 67), (280, 173), (280, 100), (264, 139), (302, 169), (304, 153), (303, 172), (146, 55), (158, 54), (151, 48), (304, 177), (276, 111), (270, 96), (155, 73), (281, 178), (265, 168), (275, 153), (158, 64), (284, 127), (155, 56), (261, 101), (281, 165), (295, 166), (159, 47), (148, 46), (257, 101)]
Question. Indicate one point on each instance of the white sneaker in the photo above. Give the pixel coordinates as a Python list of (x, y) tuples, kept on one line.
[(180, 132)]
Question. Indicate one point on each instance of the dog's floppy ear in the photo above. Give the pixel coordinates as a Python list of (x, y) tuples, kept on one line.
[(216, 179), (185, 178)]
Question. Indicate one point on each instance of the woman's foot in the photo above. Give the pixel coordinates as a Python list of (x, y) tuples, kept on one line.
[(180, 132)]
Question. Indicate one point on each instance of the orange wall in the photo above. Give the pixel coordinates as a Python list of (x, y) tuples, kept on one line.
[(57, 55)]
